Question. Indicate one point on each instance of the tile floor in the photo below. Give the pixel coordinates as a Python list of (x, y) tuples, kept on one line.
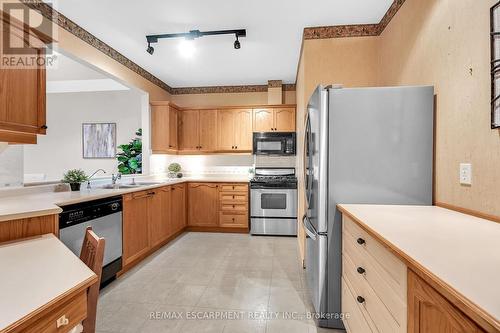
[(229, 282)]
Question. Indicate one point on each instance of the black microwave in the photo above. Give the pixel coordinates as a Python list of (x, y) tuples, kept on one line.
[(274, 143)]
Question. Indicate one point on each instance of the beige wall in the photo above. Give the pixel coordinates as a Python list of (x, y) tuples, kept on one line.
[(228, 99), (445, 43), (348, 61)]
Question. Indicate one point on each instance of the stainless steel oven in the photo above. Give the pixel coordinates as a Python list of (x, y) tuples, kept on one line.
[(274, 143), (273, 202)]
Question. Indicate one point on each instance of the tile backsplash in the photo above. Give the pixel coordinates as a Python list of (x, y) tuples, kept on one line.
[(218, 164), (11, 165)]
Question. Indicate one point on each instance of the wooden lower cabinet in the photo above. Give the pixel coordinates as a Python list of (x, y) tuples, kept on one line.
[(160, 222), (136, 225), (382, 294), (203, 204), (152, 217), (29, 227), (178, 208), (223, 205), (430, 312)]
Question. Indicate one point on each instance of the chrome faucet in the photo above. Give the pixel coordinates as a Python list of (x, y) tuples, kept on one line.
[(115, 178), (88, 180)]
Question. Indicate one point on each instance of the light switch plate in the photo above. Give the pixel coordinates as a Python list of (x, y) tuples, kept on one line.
[(465, 173)]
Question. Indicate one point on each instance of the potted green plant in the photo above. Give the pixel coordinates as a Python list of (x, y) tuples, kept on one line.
[(174, 170), (75, 178), (130, 156)]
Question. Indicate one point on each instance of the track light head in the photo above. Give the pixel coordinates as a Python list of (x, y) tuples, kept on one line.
[(237, 44), (150, 49)]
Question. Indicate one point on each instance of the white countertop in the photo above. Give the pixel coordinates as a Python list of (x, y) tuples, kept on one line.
[(34, 272), (47, 203), (461, 250)]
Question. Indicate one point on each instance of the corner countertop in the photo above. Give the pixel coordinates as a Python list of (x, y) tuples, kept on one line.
[(459, 250), (36, 272), (47, 203)]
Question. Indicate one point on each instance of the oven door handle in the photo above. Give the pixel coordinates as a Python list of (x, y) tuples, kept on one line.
[(307, 223)]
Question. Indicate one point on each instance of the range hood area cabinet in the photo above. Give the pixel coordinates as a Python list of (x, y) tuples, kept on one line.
[(274, 120), (22, 92), (219, 130), (235, 130)]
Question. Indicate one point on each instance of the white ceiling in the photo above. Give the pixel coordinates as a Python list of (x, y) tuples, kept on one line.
[(69, 76), (68, 69), (270, 50)]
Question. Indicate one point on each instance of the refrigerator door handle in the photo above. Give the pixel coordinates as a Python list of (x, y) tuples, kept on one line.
[(306, 223)]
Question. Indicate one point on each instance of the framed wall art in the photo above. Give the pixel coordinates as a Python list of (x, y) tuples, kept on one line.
[(99, 140)]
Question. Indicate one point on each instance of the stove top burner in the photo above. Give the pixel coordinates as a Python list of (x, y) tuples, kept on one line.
[(267, 179)]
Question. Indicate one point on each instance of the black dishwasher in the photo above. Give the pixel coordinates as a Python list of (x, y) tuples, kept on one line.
[(105, 218)]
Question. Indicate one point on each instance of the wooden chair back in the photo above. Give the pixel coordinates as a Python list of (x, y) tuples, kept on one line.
[(92, 255)]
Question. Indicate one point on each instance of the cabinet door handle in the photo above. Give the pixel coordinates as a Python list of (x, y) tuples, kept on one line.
[(43, 127), (361, 241), (361, 270), (232, 147), (360, 299), (235, 147)]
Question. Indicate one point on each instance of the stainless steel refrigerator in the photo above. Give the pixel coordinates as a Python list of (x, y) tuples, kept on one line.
[(363, 145)]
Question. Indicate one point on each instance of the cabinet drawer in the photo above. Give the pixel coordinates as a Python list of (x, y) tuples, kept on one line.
[(230, 197), (74, 310), (378, 312), (392, 293), (391, 268), (234, 188), (234, 207), (354, 319), (237, 221)]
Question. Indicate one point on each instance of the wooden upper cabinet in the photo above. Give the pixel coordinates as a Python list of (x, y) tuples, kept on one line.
[(430, 312), (189, 133), (164, 125), (203, 204), (274, 120), (173, 124), (234, 131), (243, 130), (284, 120), (22, 91), (136, 217), (208, 130), (159, 128), (226, 133), (263, 120)]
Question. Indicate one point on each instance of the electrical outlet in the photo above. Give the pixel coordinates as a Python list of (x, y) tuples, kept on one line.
[(465, 173)]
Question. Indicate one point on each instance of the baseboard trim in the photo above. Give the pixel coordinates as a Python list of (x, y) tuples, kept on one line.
[(218, 229), (467, 211)]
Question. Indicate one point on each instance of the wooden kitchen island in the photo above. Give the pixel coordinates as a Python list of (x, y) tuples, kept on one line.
[(43, 286)]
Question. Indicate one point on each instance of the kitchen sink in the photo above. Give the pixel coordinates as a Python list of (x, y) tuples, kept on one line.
[(119, 186), (129, 185)]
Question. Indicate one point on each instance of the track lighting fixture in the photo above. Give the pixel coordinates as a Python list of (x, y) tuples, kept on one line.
[(150, 49), (193, 34)]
